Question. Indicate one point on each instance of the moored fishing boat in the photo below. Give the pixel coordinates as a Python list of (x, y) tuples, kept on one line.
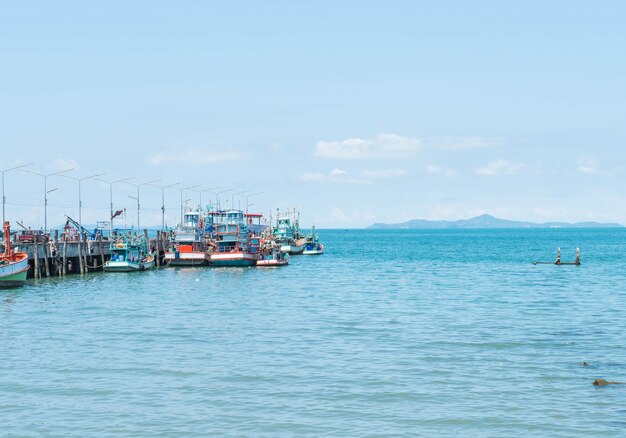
[(236, 246), (190, 247), (313, 245), (287, 233), (271, 255), (129, 253), (13, 265)]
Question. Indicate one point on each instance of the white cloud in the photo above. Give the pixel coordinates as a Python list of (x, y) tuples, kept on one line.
[(384, 173), (435, 169), (62, 164), (334, 176), (588, 167), (312, 176), (194, 156), (382, 146), (337, 172), (500, 167), (354, 217), (461, 143)]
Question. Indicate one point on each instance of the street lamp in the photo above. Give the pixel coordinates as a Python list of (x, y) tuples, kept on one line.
[(110, 183), (200, 192), (46, 191), (80, 201), (232, 197), (163, 201), (137, 198), (181, 200), (217, 198), (3, 198), (250, 196)]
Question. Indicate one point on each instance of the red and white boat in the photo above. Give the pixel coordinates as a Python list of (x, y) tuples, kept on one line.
[(190, 248), (271, 255), (236, 246)]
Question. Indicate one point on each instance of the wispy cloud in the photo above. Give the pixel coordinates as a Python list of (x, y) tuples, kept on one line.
[(334, 176), (435, 169), (460, 143), (63, 164), (500, 167), (384, 173), (382, 146), (588, 167), (339, 215), (194, 157)]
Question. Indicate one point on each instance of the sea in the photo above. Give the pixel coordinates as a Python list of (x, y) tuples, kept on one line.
[(390, 333)]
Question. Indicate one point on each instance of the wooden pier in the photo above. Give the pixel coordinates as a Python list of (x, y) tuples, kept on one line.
[(54, 257)]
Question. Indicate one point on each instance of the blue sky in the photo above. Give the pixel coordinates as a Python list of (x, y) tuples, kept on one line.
[(355, 112)]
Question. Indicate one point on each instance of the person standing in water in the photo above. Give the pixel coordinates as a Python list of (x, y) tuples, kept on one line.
[(558, 257), (577, 257)]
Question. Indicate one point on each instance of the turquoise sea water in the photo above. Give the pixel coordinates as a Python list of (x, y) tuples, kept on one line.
[(390, 333)]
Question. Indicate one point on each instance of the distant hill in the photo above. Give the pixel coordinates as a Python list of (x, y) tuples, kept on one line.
[(488, 221)]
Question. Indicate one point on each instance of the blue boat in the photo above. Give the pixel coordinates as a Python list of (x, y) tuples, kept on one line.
[(236, 244), (129, 252)]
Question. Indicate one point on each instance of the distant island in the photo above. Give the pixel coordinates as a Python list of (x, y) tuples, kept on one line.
[(488, 221)]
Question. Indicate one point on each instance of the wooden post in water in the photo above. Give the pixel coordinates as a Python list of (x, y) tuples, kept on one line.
[(79, 242), (65, 255), (101, 250), (57, 271), (46, 250), (36, 258), (86, 253), (158, 251)]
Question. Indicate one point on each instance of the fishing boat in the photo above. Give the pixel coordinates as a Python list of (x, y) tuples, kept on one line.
[(236, 245), (129, 253), (190, 246), (13, 265), (271, 255), (287, 233), (313, 245)]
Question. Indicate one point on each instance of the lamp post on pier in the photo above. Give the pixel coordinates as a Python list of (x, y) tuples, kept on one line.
[(46, 191), (80, 200), (163, 201), (217, 196), (137, 198), (3, 197), (110, 183), (181, 200), (250, 196), (232, 202), (200, 192)]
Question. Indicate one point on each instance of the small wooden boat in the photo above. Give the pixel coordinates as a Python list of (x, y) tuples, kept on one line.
[(128, 254), (13, 265)]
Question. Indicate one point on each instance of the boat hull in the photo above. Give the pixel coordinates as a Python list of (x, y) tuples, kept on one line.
[(265, 263), (126, 266), (319, 250), (14, 274), (313, 252), (187, 258), (233, 259)]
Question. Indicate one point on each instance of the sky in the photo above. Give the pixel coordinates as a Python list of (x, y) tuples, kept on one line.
[(354, 112)]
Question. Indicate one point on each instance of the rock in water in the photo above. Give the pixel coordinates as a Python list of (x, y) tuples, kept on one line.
[(602, 382)]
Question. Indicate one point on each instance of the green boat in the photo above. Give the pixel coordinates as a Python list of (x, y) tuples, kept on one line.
[(13, 265), (313, 245), (129, 253)]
